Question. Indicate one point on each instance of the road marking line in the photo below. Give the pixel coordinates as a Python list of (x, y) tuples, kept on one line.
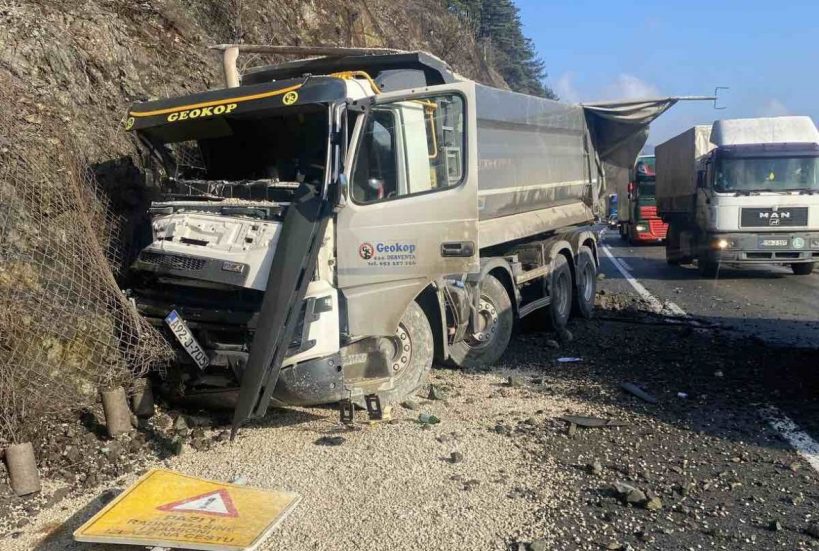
[(801, 441), (642, 291), (625, 264)]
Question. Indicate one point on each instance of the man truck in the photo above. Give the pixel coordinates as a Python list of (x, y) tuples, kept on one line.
[(742, 191), (326, 228), (639, 221)]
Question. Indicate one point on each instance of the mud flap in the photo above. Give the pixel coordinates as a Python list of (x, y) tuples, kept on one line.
[(294, 263)]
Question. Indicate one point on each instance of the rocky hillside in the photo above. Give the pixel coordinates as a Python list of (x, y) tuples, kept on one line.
[(72, 67)]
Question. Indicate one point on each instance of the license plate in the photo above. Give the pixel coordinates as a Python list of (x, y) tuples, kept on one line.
[(185, 337), (773, 242)]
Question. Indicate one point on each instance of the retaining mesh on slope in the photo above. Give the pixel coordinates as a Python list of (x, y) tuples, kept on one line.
[(66, 329)]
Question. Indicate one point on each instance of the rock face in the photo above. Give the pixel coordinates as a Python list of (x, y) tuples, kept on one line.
[(82, 64)]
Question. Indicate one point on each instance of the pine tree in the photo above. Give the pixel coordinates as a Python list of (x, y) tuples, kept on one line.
[(498, 29)]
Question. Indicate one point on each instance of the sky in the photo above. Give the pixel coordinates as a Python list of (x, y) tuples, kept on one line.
[(767, 53)]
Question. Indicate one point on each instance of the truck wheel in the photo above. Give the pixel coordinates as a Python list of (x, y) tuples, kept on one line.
[(557, 313), (673, 254), (802, 269), (410, 351), (706, 266), (586, 284), (485, 347), (623, 232)]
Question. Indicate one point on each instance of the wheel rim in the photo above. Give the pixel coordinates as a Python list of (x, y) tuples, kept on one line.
[(487, 325), (561, 294), (586, 276), (398, 349)]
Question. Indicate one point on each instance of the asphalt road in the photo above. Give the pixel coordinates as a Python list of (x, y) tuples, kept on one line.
[(767, 302)]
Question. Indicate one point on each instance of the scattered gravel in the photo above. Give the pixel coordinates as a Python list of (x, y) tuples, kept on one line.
[(388, 485), (502, 471)]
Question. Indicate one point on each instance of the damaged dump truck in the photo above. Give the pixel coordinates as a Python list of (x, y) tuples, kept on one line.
[(329, 227)]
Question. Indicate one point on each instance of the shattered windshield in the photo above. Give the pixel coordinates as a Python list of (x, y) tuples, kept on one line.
[(258, 155), (767, 174)]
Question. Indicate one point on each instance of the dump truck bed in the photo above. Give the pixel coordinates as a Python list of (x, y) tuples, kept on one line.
[(533, 166)]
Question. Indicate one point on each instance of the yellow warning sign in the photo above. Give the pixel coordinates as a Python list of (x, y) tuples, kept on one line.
[(169, 509)]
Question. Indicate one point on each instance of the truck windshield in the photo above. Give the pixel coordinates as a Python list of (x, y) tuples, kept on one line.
[(767, 174), (258, 155), (646, 186)]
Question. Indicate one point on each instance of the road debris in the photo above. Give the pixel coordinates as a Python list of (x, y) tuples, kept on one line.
[(436, 393), (596, 468), (629, 494), (330, 441), (591, 422), (568, 360), (632, 388), (428, 419)]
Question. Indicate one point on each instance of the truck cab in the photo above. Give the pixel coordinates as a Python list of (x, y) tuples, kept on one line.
[(753, 194), (640, 222)]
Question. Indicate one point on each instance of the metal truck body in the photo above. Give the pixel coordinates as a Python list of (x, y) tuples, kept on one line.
[(742, 191), (330, 226), (639, 221)]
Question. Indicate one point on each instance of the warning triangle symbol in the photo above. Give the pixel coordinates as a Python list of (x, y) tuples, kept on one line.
[(217, 503)]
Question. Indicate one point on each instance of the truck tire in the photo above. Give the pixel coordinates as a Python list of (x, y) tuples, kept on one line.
[(557, 313), (673, 254), (412, 350), (706, 266), (485, 347), (805, 268), (586, 271), (623, 231)]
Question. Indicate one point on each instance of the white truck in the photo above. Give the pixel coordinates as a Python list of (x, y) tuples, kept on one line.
[(742, 191), (326, 228)]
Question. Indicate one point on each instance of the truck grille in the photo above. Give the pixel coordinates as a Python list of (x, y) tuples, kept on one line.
[(658, 228), (173, 261), (648, 212)]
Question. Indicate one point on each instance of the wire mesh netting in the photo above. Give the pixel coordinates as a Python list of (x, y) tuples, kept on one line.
[(66, 329)]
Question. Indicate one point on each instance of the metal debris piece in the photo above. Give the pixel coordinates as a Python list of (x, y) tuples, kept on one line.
[(428, 419), (631, 388), (591, 422)]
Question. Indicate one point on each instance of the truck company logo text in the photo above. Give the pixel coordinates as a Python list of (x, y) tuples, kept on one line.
[(202, 112), (396, 253), (774, 216)]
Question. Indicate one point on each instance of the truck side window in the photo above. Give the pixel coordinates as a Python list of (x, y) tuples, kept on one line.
[(409, 147)]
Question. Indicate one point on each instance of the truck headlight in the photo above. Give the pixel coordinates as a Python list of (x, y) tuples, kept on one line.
[(724, 244), (641, 227)]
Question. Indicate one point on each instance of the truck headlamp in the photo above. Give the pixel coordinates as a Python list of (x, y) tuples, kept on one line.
[(641, 227), (724, 244)]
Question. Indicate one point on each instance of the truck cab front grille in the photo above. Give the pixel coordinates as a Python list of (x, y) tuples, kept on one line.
[(173, 261)]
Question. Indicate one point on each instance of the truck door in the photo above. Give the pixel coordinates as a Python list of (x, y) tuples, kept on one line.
[(411, 208)]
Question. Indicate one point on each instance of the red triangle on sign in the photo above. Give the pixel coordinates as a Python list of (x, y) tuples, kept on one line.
[(216, 503)]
